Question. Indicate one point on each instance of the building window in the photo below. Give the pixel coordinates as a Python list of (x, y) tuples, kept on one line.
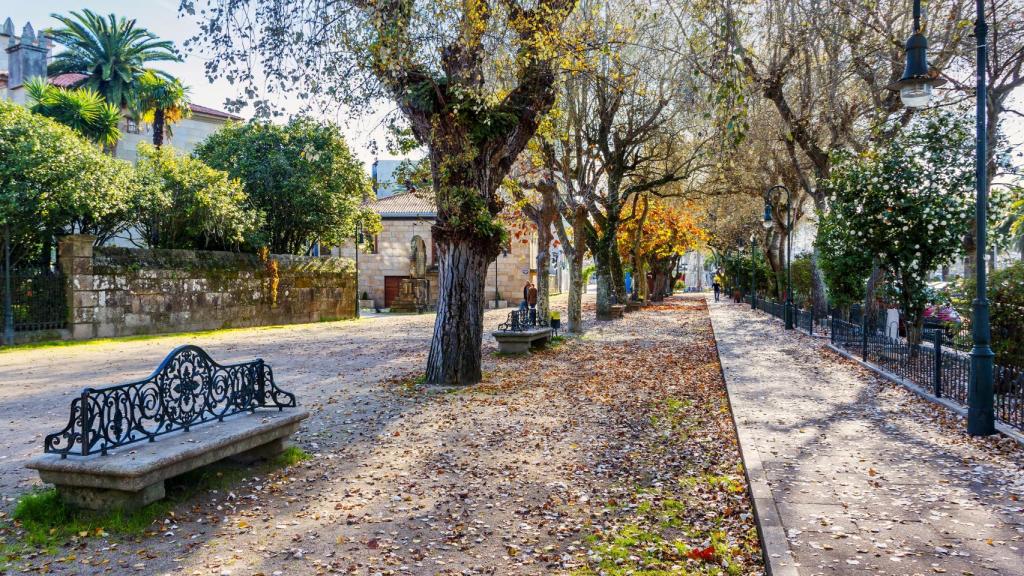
[(131, 126), (373, 244)]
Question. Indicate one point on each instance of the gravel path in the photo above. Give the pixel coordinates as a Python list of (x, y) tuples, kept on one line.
[(867, 477), (527, 473)]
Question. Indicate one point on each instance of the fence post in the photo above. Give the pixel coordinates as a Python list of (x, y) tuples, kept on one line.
[(864, 336), (832, 325), (937, 342), (810, 324)]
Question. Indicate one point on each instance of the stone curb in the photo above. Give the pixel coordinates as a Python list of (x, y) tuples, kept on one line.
[(778, 558), (960, 410)]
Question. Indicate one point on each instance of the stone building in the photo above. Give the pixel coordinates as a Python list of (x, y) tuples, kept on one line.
[(27, 56), (406, 219)]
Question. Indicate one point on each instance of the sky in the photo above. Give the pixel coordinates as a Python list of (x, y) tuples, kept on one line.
[(161, 17)]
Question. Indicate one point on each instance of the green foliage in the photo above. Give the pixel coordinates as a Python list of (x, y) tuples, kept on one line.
[(82, 109), (845, 265), (54, 182), (588, 271), (301, 176), (111, 51), (736, 269), (186, 204), (801, 268), (291, 456), (162, 102), (1006, 311), (907, 203)]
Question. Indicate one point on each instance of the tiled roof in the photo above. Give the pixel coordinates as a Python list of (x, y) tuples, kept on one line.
[(71, 79), (67, 80), (404, 205), (206, 111)]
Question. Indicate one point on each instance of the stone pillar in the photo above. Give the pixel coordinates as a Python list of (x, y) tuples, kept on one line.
[(75, 260)]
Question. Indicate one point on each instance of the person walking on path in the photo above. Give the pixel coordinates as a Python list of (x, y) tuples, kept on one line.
[(531, 301), (716, 285)]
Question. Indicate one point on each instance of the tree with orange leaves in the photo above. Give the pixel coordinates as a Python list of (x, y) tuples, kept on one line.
[(654, 238)]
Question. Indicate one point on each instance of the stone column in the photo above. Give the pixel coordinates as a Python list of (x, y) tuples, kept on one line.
[(75, 260)]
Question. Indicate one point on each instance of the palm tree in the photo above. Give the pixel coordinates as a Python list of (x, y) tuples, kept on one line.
[(161, 102), (111, 51), (81, 109)]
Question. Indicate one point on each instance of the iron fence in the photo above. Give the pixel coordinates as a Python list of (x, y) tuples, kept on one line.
[(38, 300), (935, 364), (940, 363)]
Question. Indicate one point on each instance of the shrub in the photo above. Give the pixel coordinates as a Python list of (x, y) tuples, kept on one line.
[(187, 204), (54, 182), (1006, 311), (301, 176)]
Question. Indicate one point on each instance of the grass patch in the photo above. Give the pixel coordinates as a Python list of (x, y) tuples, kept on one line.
[(291, 456), (42, 521)]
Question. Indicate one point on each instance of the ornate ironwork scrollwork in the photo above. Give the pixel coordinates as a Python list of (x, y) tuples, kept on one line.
[(188, 388), (521, 321)]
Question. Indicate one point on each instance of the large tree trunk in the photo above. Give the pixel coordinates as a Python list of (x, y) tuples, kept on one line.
[(618, 276), (575, 306), (458, 329), (543, 271)]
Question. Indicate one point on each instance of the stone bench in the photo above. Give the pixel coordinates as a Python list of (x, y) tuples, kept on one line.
[(634, 305), (521, 342), (122, 442), (521, 332)]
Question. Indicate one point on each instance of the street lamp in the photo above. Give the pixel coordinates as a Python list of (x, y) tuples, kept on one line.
[(753, 271), (980, 396), (915, 87), (787, 308)]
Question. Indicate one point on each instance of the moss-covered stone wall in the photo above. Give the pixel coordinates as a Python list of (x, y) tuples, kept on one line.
[(125, 291)]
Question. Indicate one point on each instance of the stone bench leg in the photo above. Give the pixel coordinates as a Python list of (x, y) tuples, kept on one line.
[(109, 499), (262, 452), (514, 347)]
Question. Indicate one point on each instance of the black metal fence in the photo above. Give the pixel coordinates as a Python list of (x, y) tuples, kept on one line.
[(38, 299), (941, 363), (934, 364)]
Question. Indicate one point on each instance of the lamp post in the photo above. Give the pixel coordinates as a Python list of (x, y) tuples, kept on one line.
[(787, 308), (753, 271), (741, 248), (915, 90)]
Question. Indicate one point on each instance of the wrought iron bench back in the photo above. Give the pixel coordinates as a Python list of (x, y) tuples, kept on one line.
[(188, 388), (521, 321)]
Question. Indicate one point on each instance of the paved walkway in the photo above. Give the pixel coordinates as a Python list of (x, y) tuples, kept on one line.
[(864, 477)]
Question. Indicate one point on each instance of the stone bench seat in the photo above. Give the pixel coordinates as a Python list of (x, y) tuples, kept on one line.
[(520, 342), (122, 442), (133, 476)]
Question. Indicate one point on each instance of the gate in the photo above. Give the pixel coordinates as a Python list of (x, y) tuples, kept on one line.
[(38, 300)]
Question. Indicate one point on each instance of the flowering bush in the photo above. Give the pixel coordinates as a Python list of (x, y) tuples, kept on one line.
[(906, 203)]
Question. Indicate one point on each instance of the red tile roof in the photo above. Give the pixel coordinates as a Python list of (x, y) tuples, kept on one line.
[(71, 79), (67, 80), (404, 205)]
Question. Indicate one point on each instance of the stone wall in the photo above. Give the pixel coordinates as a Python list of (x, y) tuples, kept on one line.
[(124, 291), (394, 250)]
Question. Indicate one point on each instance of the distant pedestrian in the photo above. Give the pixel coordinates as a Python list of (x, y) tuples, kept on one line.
[(531, 301), (717, 288)]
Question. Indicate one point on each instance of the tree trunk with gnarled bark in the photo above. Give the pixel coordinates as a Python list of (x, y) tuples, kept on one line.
[(543, 272), (574, 252), (458, 329)]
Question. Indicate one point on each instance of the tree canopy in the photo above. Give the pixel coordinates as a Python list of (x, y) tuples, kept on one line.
[(300, 176)]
